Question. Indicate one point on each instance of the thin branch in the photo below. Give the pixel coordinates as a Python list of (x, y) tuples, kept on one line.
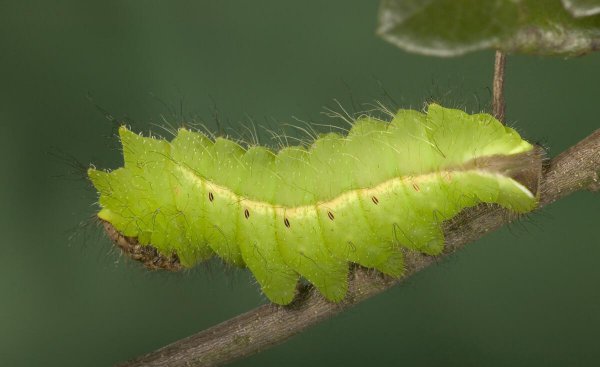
[(498, 86), (576, 169)]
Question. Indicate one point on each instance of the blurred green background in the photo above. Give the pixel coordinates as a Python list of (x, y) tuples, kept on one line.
[(527, 295)]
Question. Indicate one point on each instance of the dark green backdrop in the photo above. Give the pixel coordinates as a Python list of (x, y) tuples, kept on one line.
[(527, 295)]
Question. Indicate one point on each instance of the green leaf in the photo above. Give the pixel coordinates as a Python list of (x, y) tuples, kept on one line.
[(455, 27), (582, 8)]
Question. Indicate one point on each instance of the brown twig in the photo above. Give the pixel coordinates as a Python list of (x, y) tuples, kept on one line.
[(498, 86), (576, 169)]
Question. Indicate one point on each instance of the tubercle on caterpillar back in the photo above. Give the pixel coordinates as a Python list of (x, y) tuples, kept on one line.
[(357, 198)]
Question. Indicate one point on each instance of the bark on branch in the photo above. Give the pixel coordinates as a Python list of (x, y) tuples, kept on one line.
[(576, 169)]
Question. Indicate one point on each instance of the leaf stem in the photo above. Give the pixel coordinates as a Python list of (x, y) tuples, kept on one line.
[(498, 86)]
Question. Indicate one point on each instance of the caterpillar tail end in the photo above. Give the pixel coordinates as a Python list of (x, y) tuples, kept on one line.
[(146, 254)]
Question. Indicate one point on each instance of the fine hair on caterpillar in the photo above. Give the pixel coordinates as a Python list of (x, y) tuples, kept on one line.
[(307, 211)]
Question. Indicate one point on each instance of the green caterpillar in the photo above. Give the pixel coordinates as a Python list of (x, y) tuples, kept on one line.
[(297, 212)]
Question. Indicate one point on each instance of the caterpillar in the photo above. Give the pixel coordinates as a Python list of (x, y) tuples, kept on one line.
[(365, 197)]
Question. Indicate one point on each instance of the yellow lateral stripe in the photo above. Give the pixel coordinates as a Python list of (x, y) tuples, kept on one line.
[(340, 200)]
